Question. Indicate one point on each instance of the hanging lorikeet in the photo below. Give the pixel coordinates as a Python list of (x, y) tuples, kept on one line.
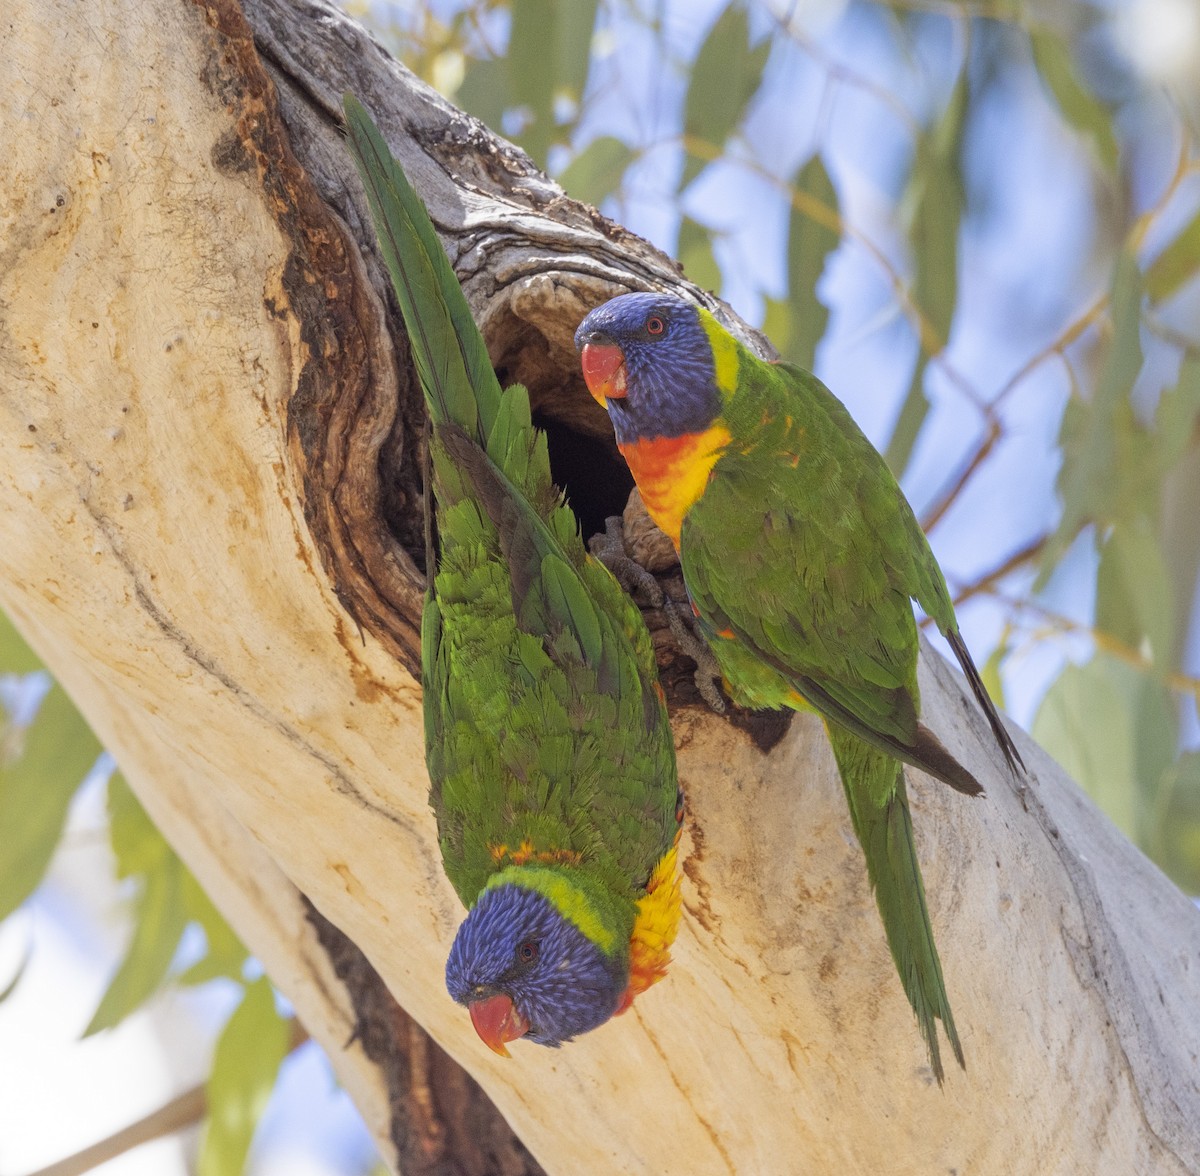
[(549, 751), (801, 558)]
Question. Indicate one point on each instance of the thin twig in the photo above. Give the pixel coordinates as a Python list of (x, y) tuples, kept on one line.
[(987, 582), (949, 495), (1106, 642), (184, 1110)]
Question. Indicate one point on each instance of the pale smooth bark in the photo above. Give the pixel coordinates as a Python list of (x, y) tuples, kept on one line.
[(203, 427)]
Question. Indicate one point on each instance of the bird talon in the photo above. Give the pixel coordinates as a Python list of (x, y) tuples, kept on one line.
[(609, 549), (708, 671)]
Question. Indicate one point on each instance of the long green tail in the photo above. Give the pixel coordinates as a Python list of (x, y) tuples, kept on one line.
[(451, 359), (875, 792)]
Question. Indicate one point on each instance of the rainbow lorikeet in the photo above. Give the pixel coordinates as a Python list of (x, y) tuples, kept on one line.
[(550, 756), (801, 558)]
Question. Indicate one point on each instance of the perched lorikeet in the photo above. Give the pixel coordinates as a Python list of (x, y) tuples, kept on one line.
[(549, 751), (801, 558)]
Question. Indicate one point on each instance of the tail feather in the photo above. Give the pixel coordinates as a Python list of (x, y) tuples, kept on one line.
[(1003, 738), (875, 792), (451, 359), (930, 755)]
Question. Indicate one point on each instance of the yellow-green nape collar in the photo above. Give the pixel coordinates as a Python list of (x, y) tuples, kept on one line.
[(725, 352), (570, 899)]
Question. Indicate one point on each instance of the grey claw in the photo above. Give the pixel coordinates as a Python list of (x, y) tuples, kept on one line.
[(609, 549), (708, 672)]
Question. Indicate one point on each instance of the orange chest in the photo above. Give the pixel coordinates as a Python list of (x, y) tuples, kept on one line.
[(671, 473)]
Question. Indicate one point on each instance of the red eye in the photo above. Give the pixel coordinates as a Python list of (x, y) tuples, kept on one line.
[(655, 325), (528, 951)]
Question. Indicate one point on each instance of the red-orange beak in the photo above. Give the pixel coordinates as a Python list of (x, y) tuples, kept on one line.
[(604, 371), (497, 1020)]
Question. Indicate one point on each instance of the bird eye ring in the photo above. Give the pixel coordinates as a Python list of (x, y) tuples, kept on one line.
[(527, 952), (655, 325)]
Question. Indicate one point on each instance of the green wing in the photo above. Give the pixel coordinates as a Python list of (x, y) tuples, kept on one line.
[(820, 597), (545, 727)]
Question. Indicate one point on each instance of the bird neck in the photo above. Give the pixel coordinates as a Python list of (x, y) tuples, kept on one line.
[(654, 928), (582, 898), (671, 472)]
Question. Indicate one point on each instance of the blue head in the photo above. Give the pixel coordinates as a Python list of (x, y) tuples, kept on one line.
[(648, 358), (524, 970)]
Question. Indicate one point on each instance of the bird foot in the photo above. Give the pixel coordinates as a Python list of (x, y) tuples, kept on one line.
[(609, 549), (708, 674)]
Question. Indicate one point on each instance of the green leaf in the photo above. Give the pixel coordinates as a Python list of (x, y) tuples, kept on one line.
[(1175, 836), (1177, 415), (990, 673), (249, 1052), (485, 90), (549, 50), (1177, 264), (908, 424), (1113, 730), (598, 170), (225, 954), (159, 920), (36, 791), (809, 245), (15, 655), (935, 198), (1079, 107), (695, 252), (574, 28), (141, 850), (1105, 474), (726, 74), (137, 845), (1134, 601)]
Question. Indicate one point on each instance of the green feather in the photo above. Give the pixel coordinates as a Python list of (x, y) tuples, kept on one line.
[(802, 559), (878, 802), (817, 602), (543, 723)]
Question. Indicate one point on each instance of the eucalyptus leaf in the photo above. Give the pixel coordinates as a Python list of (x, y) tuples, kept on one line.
[(225, 954), (484, 91), (1177, 415), (137, 845), (810, 244), (726, 74), (246, 1061), (1113, 730), (990, 673), (1104, 475), (15, 655), (1177, 264), (36, 791), (159, 921), (936, 197), (695, 252), (913, 411), (548, 55), (1176, 823), (1133, 590), (1079, 107), (935, 201), (597, 171)]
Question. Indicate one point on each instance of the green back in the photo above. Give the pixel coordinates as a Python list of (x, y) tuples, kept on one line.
[(546, 733), (820, 596)]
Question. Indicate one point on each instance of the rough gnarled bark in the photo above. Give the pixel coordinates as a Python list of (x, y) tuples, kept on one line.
[(211, 498)]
